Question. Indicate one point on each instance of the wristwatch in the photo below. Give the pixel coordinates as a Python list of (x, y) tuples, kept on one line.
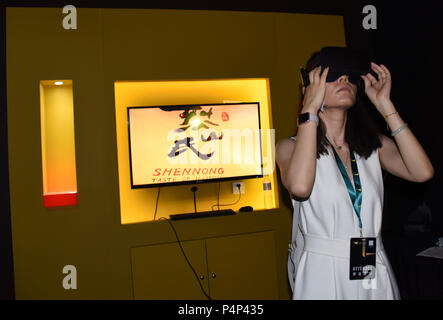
[(305, 117)]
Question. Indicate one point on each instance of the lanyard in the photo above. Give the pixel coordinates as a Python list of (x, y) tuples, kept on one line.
[(355, 194)]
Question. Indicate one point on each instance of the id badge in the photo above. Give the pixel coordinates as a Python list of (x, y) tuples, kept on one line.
[(362, 258)]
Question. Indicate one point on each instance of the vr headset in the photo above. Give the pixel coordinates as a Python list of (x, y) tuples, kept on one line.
[(341, 61)]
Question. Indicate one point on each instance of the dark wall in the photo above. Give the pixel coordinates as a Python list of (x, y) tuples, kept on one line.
[(6, 259), (408, 41)]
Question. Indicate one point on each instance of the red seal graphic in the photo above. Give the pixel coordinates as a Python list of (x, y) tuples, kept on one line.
[(225, 116)]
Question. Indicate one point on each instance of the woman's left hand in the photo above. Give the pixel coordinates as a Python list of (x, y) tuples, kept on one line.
[(378, 91)]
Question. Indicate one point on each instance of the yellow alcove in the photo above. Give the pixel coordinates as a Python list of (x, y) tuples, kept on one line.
[(138, 205), (58, 143)]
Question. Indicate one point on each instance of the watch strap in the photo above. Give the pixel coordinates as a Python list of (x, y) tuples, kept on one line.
[(305, 117)]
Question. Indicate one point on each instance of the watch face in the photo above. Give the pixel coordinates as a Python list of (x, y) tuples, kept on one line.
[(303, 117)]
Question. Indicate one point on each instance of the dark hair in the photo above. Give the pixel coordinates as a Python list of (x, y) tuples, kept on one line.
[(361, 132)]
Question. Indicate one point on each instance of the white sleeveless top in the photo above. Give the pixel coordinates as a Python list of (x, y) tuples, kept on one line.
[(318, 268)]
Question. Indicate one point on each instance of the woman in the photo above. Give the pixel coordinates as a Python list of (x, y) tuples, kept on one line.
[(332, 169)]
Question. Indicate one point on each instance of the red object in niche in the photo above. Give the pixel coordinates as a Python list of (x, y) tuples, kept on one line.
[(60, 199), (225, 116)]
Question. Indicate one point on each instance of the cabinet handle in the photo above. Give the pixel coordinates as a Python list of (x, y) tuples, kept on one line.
[(202, 277), (213, 275)]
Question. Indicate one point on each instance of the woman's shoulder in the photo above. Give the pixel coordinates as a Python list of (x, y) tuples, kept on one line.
[(285, 146), (289, 141)]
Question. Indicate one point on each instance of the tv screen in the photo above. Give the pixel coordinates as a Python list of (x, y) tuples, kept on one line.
[(184, 144)]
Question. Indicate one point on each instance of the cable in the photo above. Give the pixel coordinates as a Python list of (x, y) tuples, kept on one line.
[(194, 189), (186, 258), (228, 204), (195, 204), (156, 203), (218, 196)]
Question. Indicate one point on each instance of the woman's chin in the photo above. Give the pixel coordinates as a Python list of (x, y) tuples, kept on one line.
[(345, 103)]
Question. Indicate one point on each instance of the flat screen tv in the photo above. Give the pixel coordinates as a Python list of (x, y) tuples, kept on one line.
[(190, 144)]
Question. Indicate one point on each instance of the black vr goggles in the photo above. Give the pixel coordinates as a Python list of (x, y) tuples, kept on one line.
[(341, 61)]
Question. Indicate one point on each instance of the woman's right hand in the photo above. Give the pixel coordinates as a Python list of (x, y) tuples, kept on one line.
[(314, 94)]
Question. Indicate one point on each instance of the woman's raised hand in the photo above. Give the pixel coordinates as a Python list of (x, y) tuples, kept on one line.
[(314, 94), (378, 90)]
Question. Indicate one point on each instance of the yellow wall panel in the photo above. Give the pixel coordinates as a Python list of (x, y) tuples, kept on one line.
[(136, 205), (112, 45)]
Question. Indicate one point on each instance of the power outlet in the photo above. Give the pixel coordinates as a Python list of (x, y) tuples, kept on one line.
[(235, 188)]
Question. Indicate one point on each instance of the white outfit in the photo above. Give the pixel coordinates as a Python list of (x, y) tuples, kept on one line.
[(318, 264)]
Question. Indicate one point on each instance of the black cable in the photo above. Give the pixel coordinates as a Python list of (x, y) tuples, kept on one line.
[(186, 258), (194, 189), (195, 204), (156, 203), (228, 204), (218, 196)]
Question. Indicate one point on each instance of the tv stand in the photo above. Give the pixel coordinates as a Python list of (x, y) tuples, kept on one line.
[(203, 214)]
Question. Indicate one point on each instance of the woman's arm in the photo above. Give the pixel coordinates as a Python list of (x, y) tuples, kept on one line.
[(297, 159), (406, 159)]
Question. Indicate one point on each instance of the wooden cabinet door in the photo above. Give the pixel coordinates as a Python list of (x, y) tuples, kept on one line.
[(161, 271), (242, 266)]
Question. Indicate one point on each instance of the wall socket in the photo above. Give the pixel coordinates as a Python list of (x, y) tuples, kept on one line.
[(235, 188)]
